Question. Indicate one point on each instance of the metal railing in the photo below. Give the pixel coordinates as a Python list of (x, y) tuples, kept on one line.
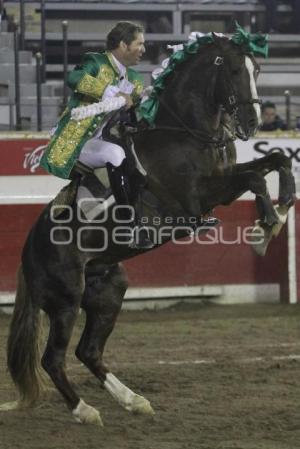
[(15, 116)]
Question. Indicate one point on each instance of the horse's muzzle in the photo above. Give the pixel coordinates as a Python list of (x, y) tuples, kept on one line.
[(246, 122)]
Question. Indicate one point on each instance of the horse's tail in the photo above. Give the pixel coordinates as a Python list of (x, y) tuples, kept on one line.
[(23, 354)]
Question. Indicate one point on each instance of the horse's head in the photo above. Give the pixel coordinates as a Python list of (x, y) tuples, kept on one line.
[(204, 78), (235, 86)]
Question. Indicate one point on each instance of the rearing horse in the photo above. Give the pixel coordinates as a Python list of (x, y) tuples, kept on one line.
[(191, 168)]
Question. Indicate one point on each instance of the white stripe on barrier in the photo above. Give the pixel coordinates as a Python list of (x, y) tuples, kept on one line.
[(37, 189), (292, 269), (163, 297)]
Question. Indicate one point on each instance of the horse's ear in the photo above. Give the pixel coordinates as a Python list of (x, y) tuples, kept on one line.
[(218, 37)]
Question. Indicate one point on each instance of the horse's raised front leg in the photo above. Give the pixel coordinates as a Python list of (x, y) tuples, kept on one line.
[(286, 197), (225, 189), (102, 303), (282, 164)]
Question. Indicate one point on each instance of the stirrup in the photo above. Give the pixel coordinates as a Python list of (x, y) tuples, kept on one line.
[(143, 241), (210, 222), (205, 225), (81, 169)]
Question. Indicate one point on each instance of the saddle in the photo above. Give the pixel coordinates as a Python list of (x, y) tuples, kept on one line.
[(119, 130)]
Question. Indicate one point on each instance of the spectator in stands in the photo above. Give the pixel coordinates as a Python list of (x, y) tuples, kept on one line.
[(270, 120), (106, 78)]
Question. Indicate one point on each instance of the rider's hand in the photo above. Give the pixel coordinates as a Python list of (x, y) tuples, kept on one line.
[(129, 102)]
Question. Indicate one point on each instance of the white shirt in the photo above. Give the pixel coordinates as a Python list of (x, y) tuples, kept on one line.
[(123, 85)]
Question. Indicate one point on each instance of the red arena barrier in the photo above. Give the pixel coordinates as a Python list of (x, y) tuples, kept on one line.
[(222, 259)]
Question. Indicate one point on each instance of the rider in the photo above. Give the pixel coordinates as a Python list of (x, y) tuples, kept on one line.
[(101, 76)]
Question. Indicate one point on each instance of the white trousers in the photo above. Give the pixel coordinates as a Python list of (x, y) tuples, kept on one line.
[(96, 153)]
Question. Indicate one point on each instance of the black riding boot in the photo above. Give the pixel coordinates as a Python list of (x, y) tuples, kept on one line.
[(121, 190)]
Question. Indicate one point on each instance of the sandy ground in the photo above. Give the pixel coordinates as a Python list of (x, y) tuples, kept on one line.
[(218, 378)]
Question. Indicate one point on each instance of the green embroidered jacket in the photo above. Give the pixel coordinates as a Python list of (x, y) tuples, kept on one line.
[(88, 82)]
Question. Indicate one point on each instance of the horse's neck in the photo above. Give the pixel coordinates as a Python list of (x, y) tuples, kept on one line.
[(189, 107)]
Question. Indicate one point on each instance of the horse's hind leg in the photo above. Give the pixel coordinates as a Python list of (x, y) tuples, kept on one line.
[(62, 320), (102, 303)]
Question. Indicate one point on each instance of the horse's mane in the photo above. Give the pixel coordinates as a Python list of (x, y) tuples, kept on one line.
[(176, 70), (192, 59), (181, 58)]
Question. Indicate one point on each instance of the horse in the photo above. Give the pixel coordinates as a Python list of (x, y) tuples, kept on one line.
[(190, 160)]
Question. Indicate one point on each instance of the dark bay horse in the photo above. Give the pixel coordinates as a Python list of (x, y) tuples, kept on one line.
[(190, 160)]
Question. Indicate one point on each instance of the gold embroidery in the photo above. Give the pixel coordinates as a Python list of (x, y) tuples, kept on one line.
[(138, 88), (107, 74), (94, 87), (67, 141), (110, 70), (74, 131)]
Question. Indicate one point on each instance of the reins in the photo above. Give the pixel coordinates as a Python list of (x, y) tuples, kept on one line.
[(199, 135), (231, 108), (218, 142)]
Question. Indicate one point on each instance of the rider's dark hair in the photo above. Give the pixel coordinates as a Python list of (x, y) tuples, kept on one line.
[(122, 31)]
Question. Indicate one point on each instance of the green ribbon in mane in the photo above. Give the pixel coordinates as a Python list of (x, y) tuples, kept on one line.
[(257, 44), (254, 43)]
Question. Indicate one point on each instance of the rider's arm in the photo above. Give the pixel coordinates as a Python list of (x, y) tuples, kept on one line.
[(87, 78)]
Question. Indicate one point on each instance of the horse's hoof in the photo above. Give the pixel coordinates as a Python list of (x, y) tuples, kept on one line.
[(281, 212), (260, 239), (85, 414), (7, 406), (141, 406)]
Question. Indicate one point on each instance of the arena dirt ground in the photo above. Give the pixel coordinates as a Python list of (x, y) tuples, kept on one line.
[(218, 377)]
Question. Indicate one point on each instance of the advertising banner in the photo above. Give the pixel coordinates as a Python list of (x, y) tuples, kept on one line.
[(259, 147)]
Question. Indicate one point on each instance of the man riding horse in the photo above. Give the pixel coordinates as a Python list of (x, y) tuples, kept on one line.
[(190, 171), (101, 77)]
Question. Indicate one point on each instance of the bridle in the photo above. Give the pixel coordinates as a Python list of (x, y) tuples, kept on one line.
[(231, 108), (232, 104)]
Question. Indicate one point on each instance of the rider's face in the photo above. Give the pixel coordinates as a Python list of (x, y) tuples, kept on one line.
[(132, 53)]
